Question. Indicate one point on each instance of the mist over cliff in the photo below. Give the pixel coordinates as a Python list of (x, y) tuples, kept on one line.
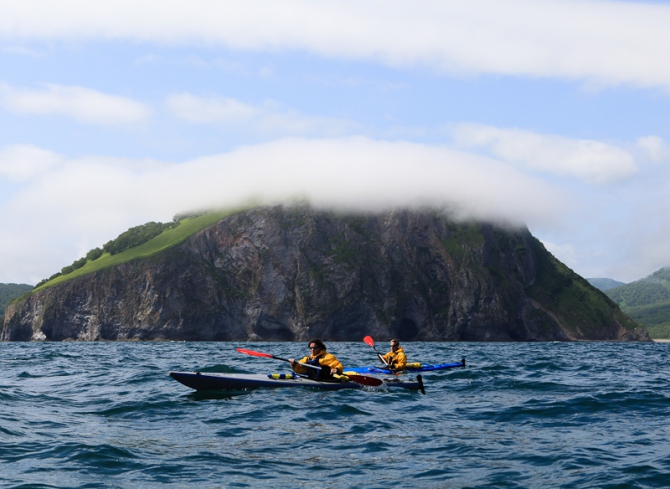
[(293, 273)]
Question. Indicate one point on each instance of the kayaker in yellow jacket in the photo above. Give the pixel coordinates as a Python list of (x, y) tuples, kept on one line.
[(396, 358), (318, 357)]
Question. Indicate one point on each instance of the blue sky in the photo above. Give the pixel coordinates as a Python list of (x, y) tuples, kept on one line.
[(553, 114)]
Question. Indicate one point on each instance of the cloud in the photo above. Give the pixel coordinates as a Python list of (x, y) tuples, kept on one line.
[(77, 205), (82, 104), (209, 110), (24, 162), (590, 161), (22, 51), (147, 59), (364, 173), (269, 117), (655, 147), (603, 42)]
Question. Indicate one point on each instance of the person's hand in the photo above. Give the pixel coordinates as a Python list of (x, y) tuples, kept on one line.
[(292, 362), (333, 371)]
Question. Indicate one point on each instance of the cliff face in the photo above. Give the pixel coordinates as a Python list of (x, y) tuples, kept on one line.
[(293, 273)]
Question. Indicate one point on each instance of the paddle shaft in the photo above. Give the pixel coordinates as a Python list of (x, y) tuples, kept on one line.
[(303, 364), (381, 357), (370, 342), (268, 355)]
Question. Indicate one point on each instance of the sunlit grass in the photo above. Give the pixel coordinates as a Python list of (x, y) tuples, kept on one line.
[(165, 240)]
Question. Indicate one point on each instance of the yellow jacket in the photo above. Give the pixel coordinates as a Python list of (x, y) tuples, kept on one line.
[(324, 357), (397, 360)]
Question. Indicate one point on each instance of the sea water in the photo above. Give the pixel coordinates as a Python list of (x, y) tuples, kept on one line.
[(88, 415)]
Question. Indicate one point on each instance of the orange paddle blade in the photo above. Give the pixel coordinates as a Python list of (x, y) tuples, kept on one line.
[(369, 341), (254, 353)]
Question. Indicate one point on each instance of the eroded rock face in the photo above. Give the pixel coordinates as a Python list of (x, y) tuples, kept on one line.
[(294, 273)]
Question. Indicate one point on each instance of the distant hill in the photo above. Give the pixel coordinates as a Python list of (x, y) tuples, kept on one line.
[(9, 292), (604, 283), (647, 301)]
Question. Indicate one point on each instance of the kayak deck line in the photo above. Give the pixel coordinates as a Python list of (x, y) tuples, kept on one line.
[(223, 381)]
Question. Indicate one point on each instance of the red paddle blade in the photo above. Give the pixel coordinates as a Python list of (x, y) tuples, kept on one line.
[(369, 341), (254, 353), (365, 380)]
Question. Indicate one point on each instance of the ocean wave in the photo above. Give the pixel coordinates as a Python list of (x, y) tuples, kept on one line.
[(519, 415)]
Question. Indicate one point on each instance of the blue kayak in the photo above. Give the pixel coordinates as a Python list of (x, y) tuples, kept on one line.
[(411, 367)]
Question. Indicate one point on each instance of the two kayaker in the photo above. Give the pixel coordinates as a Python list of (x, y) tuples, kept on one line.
[(318, 357), (396, 358)]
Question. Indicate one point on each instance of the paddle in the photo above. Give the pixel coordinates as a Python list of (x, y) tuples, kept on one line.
[(359, 379), (267, 355), (370, 342)]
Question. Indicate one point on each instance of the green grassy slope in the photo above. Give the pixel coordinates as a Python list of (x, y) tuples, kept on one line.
[(167, 239), (647, 301)]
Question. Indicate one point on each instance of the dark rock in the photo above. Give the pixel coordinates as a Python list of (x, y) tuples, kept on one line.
[(294, 273)]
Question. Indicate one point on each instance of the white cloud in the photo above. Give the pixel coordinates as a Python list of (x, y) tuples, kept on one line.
[(655, 147), (208, 110), (269, 117), (591, 161), (22, 51), (147, 59), (24, 162), (602, 41), (266, 71), (360, 172), (82, 104), (80, 204)]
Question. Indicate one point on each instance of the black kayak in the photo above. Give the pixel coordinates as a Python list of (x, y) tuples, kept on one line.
[(220, 381)]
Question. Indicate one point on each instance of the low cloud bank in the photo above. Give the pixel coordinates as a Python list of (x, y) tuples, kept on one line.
[(592, 204), (85, 202)]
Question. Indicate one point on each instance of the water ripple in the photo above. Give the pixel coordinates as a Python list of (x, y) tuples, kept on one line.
[(520, 415)]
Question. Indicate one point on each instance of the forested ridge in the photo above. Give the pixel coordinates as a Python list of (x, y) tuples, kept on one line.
[(8, 292), (647, 301), (604, 283)]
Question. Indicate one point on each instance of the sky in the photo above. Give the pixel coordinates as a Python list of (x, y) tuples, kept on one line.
[(550, 114)]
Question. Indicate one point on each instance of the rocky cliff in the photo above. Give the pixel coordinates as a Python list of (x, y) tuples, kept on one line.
[(293, 273)]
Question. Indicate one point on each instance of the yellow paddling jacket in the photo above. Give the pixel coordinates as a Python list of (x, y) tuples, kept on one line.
[(323, 358), (396, 359)]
